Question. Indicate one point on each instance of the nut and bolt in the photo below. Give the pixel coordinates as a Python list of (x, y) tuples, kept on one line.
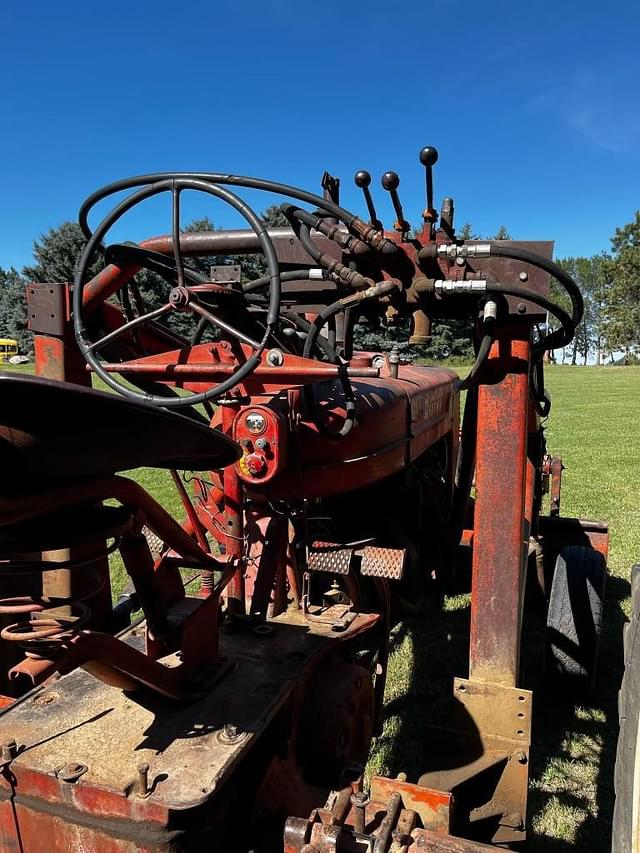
[(523, 276), (9, 749), (520, 757), (521, 308), (230, 734), (275, 358), (360, 800), (142, 788), (71, 772)]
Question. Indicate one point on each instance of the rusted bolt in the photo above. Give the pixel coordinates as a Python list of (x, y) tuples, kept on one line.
[(9, 749), (45, 698), (230, 734), (360, 800), (401, 777), (71, 772), (521, 308), (520, 756), (143, 779), (523, 276)]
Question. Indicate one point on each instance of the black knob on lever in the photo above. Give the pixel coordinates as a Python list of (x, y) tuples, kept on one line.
[(362, 179), (428, 158), (391, 182)]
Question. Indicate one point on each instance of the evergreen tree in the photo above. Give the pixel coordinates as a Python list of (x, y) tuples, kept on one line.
[(622, 323), (13, 310)]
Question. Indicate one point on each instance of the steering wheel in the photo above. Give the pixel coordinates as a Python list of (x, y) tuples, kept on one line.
[(183, 297)]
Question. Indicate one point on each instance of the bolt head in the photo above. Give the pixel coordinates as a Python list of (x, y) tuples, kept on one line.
[(360, 799), (275, 358)]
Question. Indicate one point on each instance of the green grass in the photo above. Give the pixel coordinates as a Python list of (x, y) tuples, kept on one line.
[(594, 427)]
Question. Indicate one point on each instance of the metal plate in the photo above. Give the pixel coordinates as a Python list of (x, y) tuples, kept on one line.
[(226, 272), (329, 557), (47, 308), (495, 709), (383, 562)]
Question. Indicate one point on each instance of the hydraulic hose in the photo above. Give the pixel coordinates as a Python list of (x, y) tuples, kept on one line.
[(555, 339), (561, 337), (290, 275), (481, 356), (380, 289)]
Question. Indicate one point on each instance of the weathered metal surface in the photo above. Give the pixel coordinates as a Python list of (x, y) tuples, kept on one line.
[(329, 557), (37, 449), (494, 709), (434, 807), (191, 749), (47, 308), (482, 757), (385, 563), (552, 469), (499, 543)]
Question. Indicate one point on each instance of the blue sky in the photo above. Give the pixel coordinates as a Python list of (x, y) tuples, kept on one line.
[(535, 108)]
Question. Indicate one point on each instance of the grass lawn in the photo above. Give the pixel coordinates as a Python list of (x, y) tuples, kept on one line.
[(594, 427)]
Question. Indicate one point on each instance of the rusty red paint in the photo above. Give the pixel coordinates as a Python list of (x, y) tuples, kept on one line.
[(498, 552), (433, 807)]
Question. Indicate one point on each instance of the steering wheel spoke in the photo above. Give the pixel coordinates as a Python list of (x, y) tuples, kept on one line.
[(199, 309), (183, 297), (132, 324)]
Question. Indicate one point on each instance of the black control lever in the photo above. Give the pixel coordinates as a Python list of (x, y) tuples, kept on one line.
[(362, 179), (391, 182), (428, 158)]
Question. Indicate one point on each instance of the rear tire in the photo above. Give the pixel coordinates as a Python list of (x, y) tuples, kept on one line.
[(626, 812), (574, 616)]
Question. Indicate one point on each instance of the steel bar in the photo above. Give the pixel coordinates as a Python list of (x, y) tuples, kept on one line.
[(498, 551)]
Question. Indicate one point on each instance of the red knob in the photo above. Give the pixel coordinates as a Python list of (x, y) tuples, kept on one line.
[(255, 464)]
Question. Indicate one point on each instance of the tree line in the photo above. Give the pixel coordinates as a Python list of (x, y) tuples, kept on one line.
[(609, 281)]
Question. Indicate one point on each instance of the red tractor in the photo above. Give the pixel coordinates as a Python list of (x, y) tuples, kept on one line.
[(228, 700)]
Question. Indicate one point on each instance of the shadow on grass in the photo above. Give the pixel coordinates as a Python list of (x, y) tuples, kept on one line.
[(574, 752), (425, 655), (574, 745)]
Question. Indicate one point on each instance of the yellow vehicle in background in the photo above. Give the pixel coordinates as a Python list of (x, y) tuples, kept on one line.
[(8, 347)]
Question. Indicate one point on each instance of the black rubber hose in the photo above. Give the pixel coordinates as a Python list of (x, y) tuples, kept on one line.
[(483, 353), (302, 232), (291, 275), (321, 342), (465, 466), (541, 399), (561, 337), (213, 178), (516, 253), (350, 403)]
